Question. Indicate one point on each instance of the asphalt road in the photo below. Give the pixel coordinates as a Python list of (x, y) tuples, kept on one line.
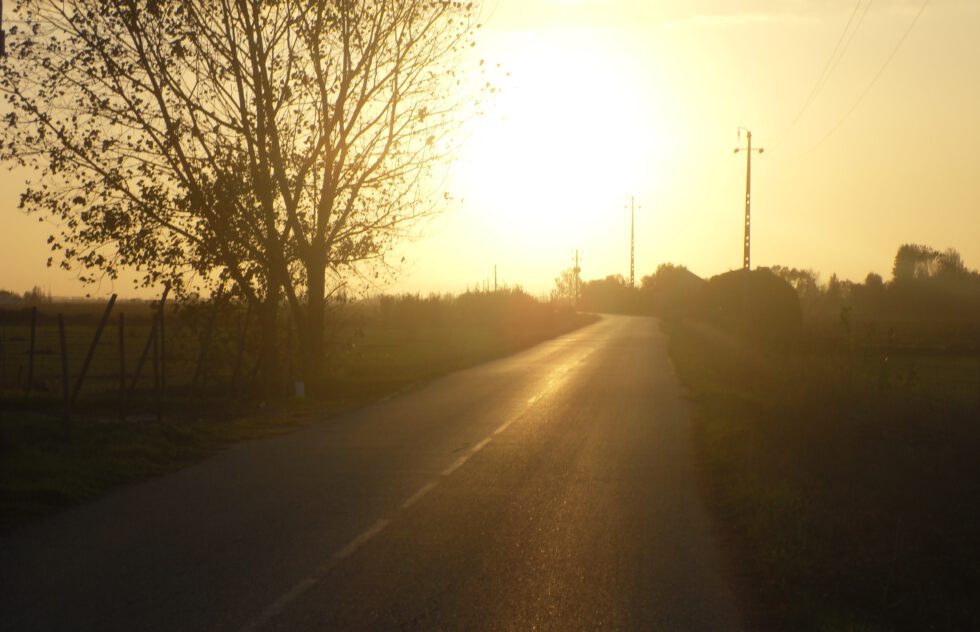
[(554, 489)]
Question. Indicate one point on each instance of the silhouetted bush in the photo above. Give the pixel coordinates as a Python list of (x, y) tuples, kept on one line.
[(755, 305), (672, 291), (612, 295)]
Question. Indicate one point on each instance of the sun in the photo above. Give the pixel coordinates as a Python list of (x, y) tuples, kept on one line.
[(576, 130)]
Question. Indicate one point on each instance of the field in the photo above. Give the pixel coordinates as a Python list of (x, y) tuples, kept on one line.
[(844, 473), (376, 349)]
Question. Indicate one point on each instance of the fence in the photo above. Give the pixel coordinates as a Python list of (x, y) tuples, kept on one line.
[(125, 359)]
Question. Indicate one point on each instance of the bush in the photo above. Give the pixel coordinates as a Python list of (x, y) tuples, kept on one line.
[(755, 305)]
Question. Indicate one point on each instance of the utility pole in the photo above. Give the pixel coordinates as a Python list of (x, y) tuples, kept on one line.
[(632, 208), (495, 278), (747, 246), (578, 283)]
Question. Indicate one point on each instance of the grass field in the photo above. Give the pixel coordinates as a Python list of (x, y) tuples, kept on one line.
[(46, 465), (845, 484)]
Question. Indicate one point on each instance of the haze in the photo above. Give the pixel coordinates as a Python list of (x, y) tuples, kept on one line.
[(611, 99)]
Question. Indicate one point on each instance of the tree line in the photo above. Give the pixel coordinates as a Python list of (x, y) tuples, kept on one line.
[(925, 283)]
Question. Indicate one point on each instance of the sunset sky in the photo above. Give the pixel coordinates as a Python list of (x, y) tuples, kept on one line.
[(612, 98)]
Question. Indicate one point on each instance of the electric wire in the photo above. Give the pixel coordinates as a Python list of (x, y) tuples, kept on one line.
[(827, 69), (847, 44), (874, 80)]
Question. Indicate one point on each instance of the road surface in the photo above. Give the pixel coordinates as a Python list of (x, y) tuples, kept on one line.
[(552, 490)]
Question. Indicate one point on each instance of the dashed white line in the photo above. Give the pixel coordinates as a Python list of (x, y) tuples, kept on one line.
[(458, 463), (280, 604), (359, 541), (374, 530), (418, 495)]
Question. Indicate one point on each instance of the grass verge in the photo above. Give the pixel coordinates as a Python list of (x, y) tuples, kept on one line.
[(847, 507), (46, 466)]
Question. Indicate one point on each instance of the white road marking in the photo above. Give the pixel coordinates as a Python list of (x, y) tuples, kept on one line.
[(360, 540), (418, 495), (480, 446), (379, 526), (280, 604), (458, 463)]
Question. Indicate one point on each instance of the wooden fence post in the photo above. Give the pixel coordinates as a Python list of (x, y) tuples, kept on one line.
[(156, 369), (144, 355), (66, 414), (163, 339), (91, 349), (3, 363), (202, 357), (122, 366), (30, 351)]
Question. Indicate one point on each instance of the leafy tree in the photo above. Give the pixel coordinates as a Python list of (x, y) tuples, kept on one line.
[(568, 286), (874, 281), (664, 271), (950, 264), (805, 282), (279, 146), (914, 261), (672, 290), (835, 290), (36, 296), (612, 294)]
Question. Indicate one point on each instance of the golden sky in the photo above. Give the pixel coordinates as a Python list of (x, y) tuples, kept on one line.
[(612, 98)]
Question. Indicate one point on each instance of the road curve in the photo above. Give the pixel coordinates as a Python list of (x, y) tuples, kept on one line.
[(553, 489)]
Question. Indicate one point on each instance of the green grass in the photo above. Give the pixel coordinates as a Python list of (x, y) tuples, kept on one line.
[(849, 503), (46, 465)]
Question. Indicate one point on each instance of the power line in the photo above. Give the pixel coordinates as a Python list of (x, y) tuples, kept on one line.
[(847, 44), (878, 75), (827, 69)]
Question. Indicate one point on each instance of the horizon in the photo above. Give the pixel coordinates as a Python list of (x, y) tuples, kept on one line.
[(838, 194)]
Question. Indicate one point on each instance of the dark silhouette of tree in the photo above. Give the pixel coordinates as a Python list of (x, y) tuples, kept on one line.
[(874, 281), (836, 289), (671, 291), (949, 264), (914, 261), (568, 286), (611, 294), (36, 296), (805, 282), (277, 146)]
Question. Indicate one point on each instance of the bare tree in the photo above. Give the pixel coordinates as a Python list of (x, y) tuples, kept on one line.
[(276, 145)]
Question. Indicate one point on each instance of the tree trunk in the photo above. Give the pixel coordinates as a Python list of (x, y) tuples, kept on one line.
[(313, 325), (269, 372)]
